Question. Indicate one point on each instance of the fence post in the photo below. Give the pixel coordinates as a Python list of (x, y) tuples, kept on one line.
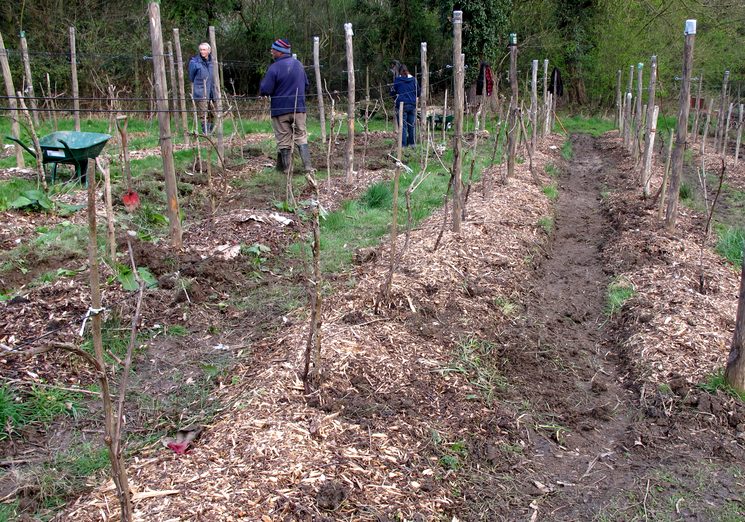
[(15, 126), (720, 117), (174, 91), (534, 106), (676, 173), (425, 89), (619, 104), (349, 156), (319, 87), (74, 76), (698, 107), (180, 91), (217, 82), (739, 135), (164, 122), (651, 108), (512, 119), (458, 114), (28, 84), (638, 117)]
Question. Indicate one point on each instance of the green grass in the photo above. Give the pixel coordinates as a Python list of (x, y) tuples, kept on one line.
[(37, 405), (551, 170), (546, 223), (619, 291), (551, 191), (477, 359), (686, 192), (594, 126), (566, 150), (730, 243), (715, 381)]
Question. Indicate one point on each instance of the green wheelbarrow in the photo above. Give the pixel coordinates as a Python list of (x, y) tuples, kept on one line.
[(68, 148)]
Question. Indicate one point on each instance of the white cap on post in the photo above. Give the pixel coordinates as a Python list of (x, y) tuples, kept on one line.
[(348, 29), (690, 27), (457, 17), (424, 46)]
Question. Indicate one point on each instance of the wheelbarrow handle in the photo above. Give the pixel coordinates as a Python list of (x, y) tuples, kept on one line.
[(19, 142)]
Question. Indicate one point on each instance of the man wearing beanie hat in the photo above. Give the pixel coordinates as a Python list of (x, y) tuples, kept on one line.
[(286, 82)]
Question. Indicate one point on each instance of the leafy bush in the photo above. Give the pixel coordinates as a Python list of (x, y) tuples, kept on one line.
[(33, 200)]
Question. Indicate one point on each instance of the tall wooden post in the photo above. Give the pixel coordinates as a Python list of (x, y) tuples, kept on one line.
[(619, 103), (349, 156), (682, 132), (458, 93), (174, 92), (319, 86), (217, 81), (512, 128), (722, 107), (164, 122), (648, 148), (28, 84), (15, 126), (739, 135), (638, 117), (74, 77), (698, 107), (627, 121), (648, 139), (534, 107), (424, 98), (180, 90)]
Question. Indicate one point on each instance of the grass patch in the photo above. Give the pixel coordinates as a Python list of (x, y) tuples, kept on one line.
[(546, 224), (619, 291), (730, 243), (551, 191), (39, 405), (566, 150), (506, 306), (715, 382), (475, 358), (552, 170), (593, 126), (685, 192)]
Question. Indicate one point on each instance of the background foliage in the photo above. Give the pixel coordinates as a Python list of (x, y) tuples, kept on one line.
[(587, 39)]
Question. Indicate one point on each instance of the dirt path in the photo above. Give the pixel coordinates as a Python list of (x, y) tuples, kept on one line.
[(594, 447)]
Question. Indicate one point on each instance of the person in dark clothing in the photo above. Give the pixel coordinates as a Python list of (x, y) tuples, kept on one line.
[(406, 90), (286, 82), (201, 75)]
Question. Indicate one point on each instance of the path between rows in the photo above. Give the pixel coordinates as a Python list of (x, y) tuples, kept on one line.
[(597, 445)]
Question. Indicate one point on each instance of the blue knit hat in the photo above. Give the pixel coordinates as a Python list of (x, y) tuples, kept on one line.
[(282, 46)]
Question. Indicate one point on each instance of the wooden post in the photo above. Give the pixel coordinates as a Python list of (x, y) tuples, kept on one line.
[(15, 126), (458, 113), (425, 90), (74, 76), (739, 135), (545, 94), (218, 95), (512, 128), (180, 90), (349, 155), (619, 102), (627, 122), (394, 218), (534, 107), (164, 122), (648, 148), (638, 110), (720, 117), (444, 116), (172, 78), (676, 174), (28, 84), (698, 107), (319, 87), (665, 176), (651, 108), (725, 132), (705, 133)]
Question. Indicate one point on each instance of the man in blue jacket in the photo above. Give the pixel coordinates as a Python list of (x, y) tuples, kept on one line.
[(286, 82), (406, 90), (201, 75)]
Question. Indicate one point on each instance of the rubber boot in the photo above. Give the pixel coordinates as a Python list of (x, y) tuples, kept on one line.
[(280, 162), (286, 159), (305, 156)]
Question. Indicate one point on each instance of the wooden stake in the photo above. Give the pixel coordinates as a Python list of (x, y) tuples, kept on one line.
[(705, 134), (42, 180), (648, 140), (619, 102), (682, 132), (638, 111), (111, 232), (181, 91), (534, 107), (312, 370), (15, 127), (725, 131), (665, 176), (739, 135), (458, 113), (394, 219), (545, 96), (74, 79), (444, 116), (349, 155), (627, 122), (512, 125), (722, 106), (319, 87), (424, 98), (172, 79), (218, 94), (164, 122), (28, 84), (698, 107)]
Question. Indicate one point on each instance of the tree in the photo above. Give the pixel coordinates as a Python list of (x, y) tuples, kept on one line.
[(734, 374)]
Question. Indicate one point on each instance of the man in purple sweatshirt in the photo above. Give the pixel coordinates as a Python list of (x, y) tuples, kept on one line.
[(286, 82)]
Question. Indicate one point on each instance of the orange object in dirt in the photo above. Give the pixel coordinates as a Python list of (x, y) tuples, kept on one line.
[(131, 200)]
